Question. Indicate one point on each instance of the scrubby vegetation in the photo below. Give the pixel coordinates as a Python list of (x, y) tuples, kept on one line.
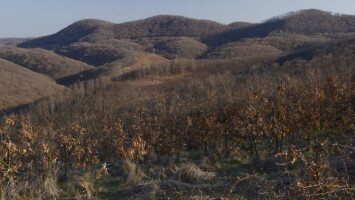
[(285, 134)]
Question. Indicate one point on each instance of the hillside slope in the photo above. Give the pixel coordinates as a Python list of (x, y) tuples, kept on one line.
[(100, 53), (20, 86), (100, 42), (307, 22), (167, 25), (43, 61), (174, 47), (72, 33)]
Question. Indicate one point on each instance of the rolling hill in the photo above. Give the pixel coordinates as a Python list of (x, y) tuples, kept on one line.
[(19, 86), (43, 61), (316, 21), (97, 30), (98, 42), (174, 47), (306, 22), (167, 25), (100, 53), (71, 34)]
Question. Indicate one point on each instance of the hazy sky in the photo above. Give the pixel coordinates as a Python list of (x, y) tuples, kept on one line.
[(27, 18)]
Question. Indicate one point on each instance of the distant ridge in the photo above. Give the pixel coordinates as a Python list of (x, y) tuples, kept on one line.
[(97, 30), (306, 22), (310, 21), (13, 41), (68, 35)]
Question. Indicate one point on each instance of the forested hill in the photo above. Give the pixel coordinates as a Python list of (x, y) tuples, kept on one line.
[(302, 22)]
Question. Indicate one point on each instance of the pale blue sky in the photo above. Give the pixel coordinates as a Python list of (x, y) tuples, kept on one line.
[(27, 18)]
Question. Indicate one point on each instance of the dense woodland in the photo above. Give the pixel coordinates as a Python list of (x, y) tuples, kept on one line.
[(184, 109)]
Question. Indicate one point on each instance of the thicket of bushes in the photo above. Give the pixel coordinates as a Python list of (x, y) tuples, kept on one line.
[(259, 114)]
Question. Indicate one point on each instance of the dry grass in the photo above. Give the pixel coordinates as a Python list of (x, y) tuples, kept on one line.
[(133, 174), (190, 173), (14, 189), (139, 61), (86, 184)]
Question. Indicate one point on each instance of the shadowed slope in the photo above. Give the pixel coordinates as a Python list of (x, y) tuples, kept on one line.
[(73, 33), (12, 41), (100, 53)]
